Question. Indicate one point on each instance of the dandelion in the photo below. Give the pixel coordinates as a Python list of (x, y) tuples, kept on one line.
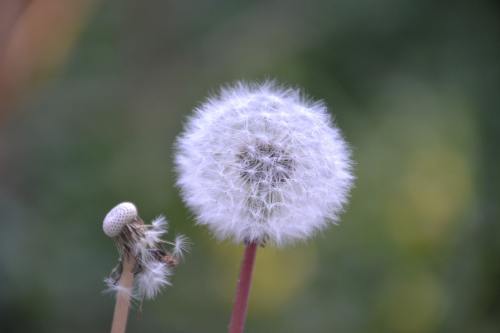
[(145, 265), (259, 164)]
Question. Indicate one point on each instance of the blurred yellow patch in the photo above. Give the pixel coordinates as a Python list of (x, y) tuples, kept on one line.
[(278, 277), (426, 156), (412, 304), (435, 189)]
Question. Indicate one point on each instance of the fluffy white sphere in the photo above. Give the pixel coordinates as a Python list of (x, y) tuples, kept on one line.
[(259, 162), (118, 217)]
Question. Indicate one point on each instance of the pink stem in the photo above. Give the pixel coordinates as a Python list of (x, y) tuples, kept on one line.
[(239, 314)]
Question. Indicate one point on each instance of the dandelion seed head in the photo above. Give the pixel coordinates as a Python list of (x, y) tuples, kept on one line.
[(118, 217), (260, 162)]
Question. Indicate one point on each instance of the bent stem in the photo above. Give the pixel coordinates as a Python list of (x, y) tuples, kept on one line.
[(239, 313), (122, 304)]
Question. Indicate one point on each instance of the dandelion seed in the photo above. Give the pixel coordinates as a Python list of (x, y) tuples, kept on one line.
[(181, 246)]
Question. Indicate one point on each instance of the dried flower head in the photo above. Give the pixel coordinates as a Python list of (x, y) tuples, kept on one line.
[(118, 217), (142, 242), (259, 162)]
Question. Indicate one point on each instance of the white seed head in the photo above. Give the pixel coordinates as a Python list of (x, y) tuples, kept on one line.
[(118, 217), (259, 162)]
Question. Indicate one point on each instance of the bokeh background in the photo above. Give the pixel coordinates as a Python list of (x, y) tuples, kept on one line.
[(93, 94)]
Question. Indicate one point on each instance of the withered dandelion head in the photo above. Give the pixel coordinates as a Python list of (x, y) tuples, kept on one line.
[(153, 258)]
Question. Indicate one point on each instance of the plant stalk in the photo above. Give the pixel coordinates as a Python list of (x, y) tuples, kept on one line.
[(122, 304), (238, 316)]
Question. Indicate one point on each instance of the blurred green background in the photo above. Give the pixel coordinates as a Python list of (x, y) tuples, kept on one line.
[(415, 87)]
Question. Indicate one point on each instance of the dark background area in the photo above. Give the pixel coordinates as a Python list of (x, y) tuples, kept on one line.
[(415, 87)]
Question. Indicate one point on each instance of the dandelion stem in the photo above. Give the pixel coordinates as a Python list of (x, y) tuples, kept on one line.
[(122, 305), (239, 313)]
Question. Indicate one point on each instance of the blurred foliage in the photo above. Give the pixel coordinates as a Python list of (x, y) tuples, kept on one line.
[(413, 84)]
